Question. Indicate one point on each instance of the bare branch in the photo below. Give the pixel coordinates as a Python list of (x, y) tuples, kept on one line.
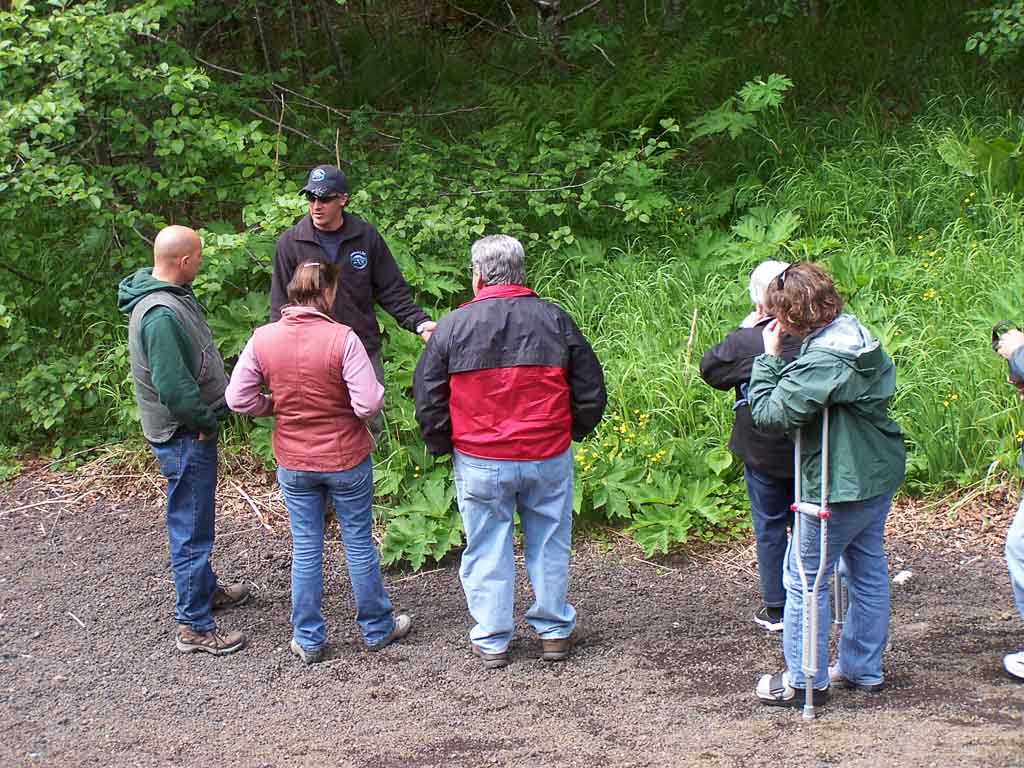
[(22, 275), (515, 21), (488, 22), (288, 128), (144, 238), (584, 9), (343, 113), (601, 51)]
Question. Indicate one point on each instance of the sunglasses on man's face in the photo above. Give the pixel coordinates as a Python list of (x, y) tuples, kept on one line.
[(310, 197)]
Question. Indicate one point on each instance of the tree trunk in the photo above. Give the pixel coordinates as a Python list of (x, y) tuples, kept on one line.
[(327, 25), (298, 39), (265, 46), (816, 12), (671, 13), (364, 12), (550, 24)]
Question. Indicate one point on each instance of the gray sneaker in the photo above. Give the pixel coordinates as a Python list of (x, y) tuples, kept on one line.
[(230, 596), (402, 626), (836, 678), (308, 657), (217, 641)]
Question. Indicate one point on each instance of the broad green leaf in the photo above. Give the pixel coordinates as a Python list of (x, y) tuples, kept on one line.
[(956, 154), (719, 460)]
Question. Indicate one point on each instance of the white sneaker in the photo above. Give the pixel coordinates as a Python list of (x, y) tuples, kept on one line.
[(1013, 663)]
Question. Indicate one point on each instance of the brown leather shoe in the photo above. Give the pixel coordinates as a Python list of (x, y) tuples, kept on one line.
[(491, 660), (230, 596), (217, 641), (559, 648)]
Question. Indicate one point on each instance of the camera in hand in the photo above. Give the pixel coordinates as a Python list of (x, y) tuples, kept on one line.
[(997, 333)]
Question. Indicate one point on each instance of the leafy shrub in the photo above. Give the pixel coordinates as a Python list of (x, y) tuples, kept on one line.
[(1003, 33)]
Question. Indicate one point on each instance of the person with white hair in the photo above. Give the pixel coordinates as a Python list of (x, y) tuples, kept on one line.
[(505, 384), (767, 457)]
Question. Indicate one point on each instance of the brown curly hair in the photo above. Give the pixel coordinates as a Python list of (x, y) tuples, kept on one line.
[(803, 298)]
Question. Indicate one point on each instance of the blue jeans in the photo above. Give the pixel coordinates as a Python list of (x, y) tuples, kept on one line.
[(855, 533), (305, 497), (190, 466), (1015, 557), (488, 493), (770, 498)]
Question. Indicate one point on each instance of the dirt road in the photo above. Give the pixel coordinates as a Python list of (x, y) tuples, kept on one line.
[(89, 674)]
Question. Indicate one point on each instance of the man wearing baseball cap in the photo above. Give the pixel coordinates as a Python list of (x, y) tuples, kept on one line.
[(367, 272)]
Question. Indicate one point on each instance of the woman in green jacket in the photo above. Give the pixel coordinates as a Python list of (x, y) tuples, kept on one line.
[(843, 368)]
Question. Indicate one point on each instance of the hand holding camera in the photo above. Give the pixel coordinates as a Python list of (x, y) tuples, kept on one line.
[(1006, 340), (1009, 342), (772, 335)]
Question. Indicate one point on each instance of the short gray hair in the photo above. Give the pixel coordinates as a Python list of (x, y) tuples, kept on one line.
[(498, 259), (763, 274)]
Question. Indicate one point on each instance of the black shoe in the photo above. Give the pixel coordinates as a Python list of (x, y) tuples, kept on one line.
[(770, 618)]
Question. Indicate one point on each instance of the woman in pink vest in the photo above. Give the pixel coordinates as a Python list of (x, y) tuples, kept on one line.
[(322, 391)]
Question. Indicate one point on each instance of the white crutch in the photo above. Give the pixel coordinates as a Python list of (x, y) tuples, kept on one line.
[(809, 659)]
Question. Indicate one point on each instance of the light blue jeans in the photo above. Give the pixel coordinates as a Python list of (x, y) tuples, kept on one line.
[(489, 491), (855, 533), (1015, 557), (305, 496)]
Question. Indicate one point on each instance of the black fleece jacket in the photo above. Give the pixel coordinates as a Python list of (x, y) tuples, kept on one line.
[(367, 273), (728, 366)]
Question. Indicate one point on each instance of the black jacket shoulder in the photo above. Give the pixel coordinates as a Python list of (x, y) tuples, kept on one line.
[(728, 365)]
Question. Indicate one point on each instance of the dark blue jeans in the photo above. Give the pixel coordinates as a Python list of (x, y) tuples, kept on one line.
[(770, 498), (190, 466)]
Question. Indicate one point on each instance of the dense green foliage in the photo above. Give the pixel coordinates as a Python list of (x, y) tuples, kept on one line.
[(647, 156), (1002, 32)]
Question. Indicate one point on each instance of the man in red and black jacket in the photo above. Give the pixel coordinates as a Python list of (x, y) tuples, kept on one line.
[(506, 383)]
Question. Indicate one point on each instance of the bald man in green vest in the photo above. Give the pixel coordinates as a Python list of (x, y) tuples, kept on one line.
[(179, 383)]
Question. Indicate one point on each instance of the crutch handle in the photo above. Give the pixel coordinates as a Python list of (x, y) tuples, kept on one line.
[(815, 510)]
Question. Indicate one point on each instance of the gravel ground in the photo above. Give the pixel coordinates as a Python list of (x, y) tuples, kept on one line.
[(89, 674)]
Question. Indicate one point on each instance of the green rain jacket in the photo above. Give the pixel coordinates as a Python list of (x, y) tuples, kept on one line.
[(843, 368)]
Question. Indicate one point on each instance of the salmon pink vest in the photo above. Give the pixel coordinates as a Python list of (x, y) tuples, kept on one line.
[(315, 428)]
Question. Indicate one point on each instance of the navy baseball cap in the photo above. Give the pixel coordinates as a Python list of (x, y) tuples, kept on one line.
[(324, 181)]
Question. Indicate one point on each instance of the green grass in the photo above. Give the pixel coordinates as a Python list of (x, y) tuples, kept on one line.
[(928, 272)]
